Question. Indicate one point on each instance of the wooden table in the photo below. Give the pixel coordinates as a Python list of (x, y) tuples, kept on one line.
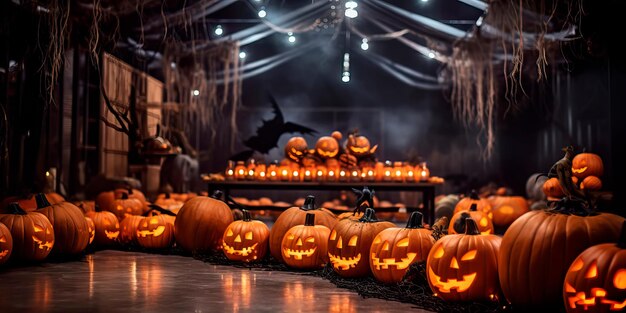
[(427, 189)]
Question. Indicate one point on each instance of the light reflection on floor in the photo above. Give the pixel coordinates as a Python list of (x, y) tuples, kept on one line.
[(115, 281)]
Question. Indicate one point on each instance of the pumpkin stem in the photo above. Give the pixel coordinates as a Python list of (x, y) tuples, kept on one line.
[(470, 227), (124, 196), (42, 201), (246, 215), (309, 203), (621, 243), (14, 208), (130, 190), (168, 195), (474, 195), (473, 207), (369, 216), (309, 220), (217, 194), (154, 207), (415, 220)]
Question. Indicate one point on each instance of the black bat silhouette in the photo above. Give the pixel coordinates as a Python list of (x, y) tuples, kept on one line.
[(267, 135)]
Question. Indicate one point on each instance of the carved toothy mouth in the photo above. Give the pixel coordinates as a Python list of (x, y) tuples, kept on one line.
[(243, 252), (359, 150), (343, 263), (580, 299), (111, 234), (579, 170), (298, 254), (404, 263), (156, 233), (48, 244), (3, 253), (328, 154), (449, 284)]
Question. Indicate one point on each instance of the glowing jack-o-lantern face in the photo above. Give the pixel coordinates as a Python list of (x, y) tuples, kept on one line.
[(587, 164), (350, 241), (596, 280), (359, 146), (305, 246), (463, 267), (31, 232), (395, 249), (327, 147), (92, 229), (155, 232), (296, 148), (6, 243), (40, 237), (457, 222), (127, 206), (107, 227), (246, 240)]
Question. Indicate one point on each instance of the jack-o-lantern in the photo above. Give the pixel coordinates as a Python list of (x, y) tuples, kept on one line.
[(200, 224), (107, 227), (395, 249), (125, 206), (246, 240), (481, 204), (587, 164), (552, 188), (457, 222), (155, 232), (464, 267), (596, 280), (539, 246), (327, 147), (128, 229), (71, 232), (350, 242), (170, 216), (92, 229), (6, 244), (296, 148), (591, 183), (305, 246), (506, 209), (32, 233), (359, 146), (133, 194), (86, 206), (168, 202), (296, 216)]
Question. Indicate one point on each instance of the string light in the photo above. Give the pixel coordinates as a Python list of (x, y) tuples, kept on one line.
[(196, 92), (262, 12), (291, 38), (350, 11), (431, 55), (242, 55), (345, 77), (219, 30), (364, 44)]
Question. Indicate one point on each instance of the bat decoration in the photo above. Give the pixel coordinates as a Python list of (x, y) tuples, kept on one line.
[(365, 196), (267, 135)]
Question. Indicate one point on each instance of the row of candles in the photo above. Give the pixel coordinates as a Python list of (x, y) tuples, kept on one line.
[(388, 171)]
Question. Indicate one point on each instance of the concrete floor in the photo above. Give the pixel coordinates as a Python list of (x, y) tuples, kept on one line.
[(115, 281)]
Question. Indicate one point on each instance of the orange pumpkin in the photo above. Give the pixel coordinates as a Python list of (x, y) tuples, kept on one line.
[(591, 183), (506, 209), (200, 224), (327, 147), (71, 231), (358, 146), (128, 229), (29, 203), (155, 232), (587, 164), (6, 244), (168, 202), (305, 246), (125, 206), (457, 222), (466, 203), (296, 148), (32, 233), (246, 240), (552, 188), (92, 229), (107, 227)]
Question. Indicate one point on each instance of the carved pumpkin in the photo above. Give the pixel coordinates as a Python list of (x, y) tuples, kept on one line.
[(481, 204), (457, 222), (32, 233), (350, 242), (128, 229), (552, 188), (170, 216), (296, 216), (358, 146), (246, 240), (29, 203), (169, 203), (92, 229), (395, 249), (6, 244), (133, 194), (327, 147), (86, 206), (445, 206), (107, 227), (591, 183), (506, 209), (539, 246), (71, 232), (596, 280), (296, 148), (464, 267), (587, 164), (125, 206), (155, 232), (200, 224), (305, 246)]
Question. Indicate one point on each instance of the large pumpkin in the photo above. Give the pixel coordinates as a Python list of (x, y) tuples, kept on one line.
[(464, 267), (587, 164), (6, 244), (395, 249), (107, 227), (506, 209), (71, 232), (350, 242), (539, 246), (296, 148), (305, 246), (466, 203), (32, 233), (200, 224), (596, 280), (457, 222), (155, 232), (296, 216), (246, 240)]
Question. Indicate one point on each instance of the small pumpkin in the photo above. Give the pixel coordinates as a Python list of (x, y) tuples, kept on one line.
[(296, 216), (359, 146), (350, 242), (200, 224), (32, 233), (246, 240), (133, 194), (169, 203), (587, 164), (457, 222), (591, 183), (155, 231), (71, 231), (466, 203), (107, 227), (596, 280), (125, 206), (552, 188), (327, 147), (6, 244), (305, 246), (395, 249), (296, 148), (92, 229), (464, 267), (506, 209)]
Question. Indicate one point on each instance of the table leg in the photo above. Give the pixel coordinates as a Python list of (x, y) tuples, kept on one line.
[(429, 205)]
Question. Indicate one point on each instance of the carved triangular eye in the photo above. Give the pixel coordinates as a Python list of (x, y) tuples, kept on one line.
[(290, 237), (248, 235), (578, 264), (333, 235), (438, 253), (37, 229), (403, 242), (2, 239), (353, 241), (154, 221), (469, 255), (310, 239), (619, 280), (377, 240), (484, 222), (592, 271), (229, 232)]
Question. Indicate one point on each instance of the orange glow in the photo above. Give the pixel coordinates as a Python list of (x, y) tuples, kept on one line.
[(592, 271), (446, 287), (578, 264), (619, 280)]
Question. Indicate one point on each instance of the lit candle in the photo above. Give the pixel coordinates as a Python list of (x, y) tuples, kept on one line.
[(387, 171), (424, 172), (284, 174), (371, 176), (342, 175), (355, 175), (397, 172), (250, 174), (260, 172), (240, 171), (410, 176), (230, 170), (295, 175), (331, 176), (272, 171), (308, 175), (320, 174)]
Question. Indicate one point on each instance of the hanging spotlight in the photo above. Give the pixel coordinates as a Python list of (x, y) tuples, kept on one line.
[(262, 12), (219, 30), (364, 44), (350, 11), (242, 55), (291, 38), (479, 21), (196, 92)]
